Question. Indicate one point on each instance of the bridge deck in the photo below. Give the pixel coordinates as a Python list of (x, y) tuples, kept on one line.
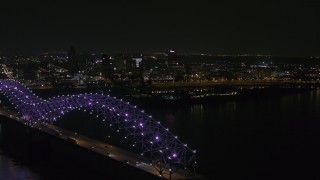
[(104, 149)]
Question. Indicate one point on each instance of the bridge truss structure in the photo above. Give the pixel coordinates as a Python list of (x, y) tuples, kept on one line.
[(164, 150)]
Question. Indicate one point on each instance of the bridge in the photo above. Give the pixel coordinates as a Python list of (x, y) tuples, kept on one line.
[(161, 152)]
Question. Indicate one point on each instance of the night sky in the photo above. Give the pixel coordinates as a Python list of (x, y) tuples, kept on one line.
[(224, 27)]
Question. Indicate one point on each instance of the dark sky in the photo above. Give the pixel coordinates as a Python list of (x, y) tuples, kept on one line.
[(217, 27)]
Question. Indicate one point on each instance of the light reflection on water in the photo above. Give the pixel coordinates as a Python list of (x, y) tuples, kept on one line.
[(11, 170)]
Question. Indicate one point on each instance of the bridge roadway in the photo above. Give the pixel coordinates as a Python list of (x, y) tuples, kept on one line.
[(104, 149)]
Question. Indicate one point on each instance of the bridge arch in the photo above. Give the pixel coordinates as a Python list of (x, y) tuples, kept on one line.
[(146, 133)]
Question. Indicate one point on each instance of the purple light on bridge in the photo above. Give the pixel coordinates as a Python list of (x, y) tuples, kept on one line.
[(109, 109), (174, 155)]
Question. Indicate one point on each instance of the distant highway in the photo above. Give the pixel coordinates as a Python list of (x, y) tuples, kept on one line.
[(105, 149), (227, 83), (173, 85)]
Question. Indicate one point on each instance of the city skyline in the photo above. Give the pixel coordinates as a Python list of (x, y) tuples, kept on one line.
[(271, 28)]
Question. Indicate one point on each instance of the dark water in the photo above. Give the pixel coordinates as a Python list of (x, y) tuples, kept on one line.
[(265, 136), (10, 169)]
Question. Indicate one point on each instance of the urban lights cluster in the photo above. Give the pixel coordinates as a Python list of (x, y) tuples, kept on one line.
[(163, 148)]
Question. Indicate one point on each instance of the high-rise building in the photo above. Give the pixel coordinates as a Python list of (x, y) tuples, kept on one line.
[(107, 66), (130, 64), (72, 61), (172, 58)]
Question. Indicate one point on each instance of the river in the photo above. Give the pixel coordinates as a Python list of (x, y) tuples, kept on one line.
[(264, 136)]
